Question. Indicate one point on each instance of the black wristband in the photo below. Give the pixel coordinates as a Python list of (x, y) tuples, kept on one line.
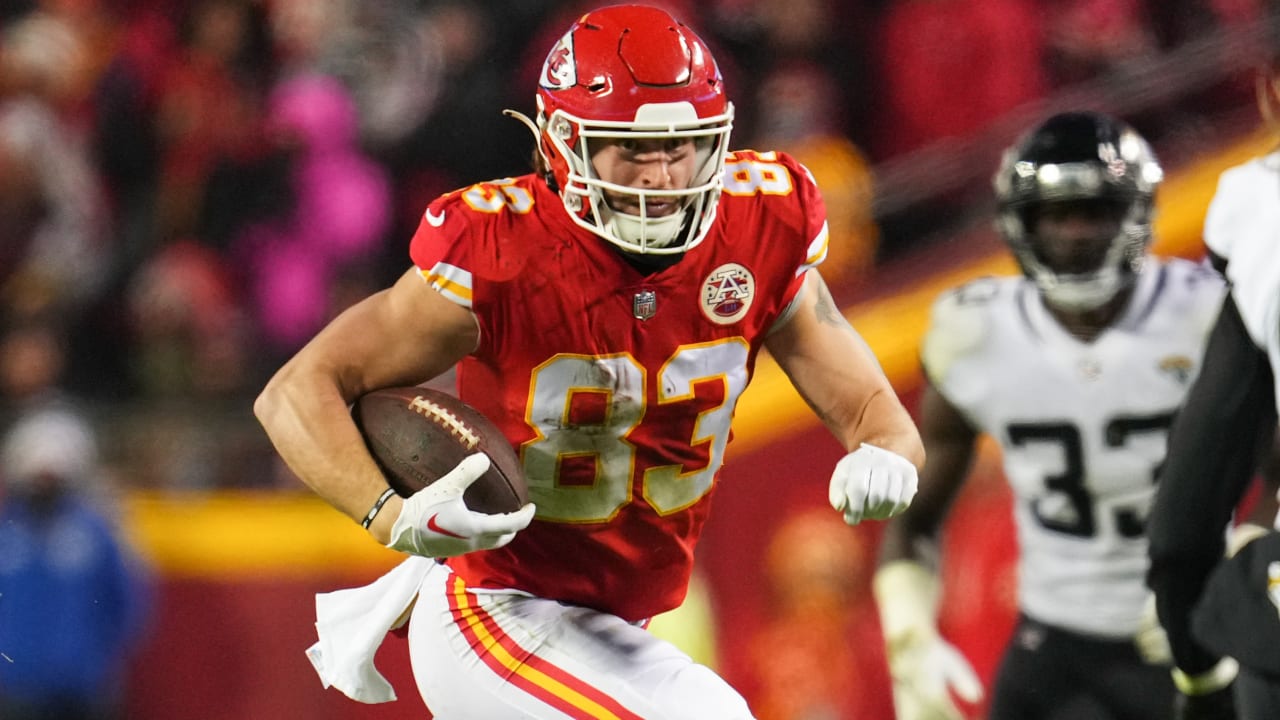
[(377, 507)]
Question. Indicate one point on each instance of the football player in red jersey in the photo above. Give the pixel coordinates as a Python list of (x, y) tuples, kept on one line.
[(606, 312)]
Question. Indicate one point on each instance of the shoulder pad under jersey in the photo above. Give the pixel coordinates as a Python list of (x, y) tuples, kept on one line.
[(1201, 291), (958, 324)]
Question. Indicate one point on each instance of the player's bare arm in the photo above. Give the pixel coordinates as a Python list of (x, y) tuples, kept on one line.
[(403, 335), (950, 442), (838, 376)]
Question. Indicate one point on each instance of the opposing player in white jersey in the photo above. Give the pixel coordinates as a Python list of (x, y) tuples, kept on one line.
[(1076, 369), (1229, 417)]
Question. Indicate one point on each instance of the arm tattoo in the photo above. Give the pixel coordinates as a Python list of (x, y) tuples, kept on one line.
[(824, 417), (826, 309), (827, 313)]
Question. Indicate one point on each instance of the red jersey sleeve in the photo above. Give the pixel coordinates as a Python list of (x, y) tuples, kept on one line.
[(779, 196), (814, 213), (440, 251)]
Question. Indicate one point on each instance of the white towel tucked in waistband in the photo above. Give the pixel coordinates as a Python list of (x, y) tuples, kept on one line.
[(352, 624)]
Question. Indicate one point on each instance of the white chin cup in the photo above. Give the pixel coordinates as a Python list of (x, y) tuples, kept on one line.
[(1081, 293), (645, 232)]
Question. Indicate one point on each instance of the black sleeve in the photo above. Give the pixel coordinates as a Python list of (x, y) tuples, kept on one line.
[(1213, 446)]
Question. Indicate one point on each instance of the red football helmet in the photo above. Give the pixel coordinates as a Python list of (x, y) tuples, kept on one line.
[(633, 71)]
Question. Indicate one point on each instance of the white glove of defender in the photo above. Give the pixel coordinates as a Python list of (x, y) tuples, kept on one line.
[(925, 668), (435, 522), (872, 483)]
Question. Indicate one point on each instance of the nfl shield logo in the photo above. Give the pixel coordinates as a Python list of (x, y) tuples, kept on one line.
[(644, 304)]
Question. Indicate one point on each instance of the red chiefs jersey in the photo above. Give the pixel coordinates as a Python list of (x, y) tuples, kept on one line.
[(616, 386)]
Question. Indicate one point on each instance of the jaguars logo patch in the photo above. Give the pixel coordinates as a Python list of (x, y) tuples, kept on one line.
[(727, 293)]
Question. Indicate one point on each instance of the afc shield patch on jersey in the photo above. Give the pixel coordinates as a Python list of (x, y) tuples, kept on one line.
[(727, 293), (560, 71), (1178, 367)]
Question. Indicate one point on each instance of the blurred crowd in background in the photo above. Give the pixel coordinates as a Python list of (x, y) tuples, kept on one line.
[(190, 189)]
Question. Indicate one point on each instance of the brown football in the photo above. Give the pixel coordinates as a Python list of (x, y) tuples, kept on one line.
[(418, 434)]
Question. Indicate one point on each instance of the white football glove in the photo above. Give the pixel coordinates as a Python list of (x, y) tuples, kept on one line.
[(925, 668), (872, 483), (435, 522)]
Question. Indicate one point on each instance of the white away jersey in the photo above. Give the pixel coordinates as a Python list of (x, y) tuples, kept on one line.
[(1082, 427), (1243, 226)]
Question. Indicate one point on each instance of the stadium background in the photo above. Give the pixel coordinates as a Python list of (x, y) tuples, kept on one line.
[(782, 606)]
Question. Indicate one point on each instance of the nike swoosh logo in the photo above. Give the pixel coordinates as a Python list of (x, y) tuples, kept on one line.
[(434, 527), (435, 220)]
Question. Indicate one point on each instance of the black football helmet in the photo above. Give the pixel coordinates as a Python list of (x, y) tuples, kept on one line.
[(1079, 157)]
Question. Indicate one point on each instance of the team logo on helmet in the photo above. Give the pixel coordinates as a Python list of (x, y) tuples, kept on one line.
[(560, 71), (727, 293)]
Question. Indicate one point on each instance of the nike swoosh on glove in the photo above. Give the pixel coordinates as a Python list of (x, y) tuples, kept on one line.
[(872, 483), (435, 522)]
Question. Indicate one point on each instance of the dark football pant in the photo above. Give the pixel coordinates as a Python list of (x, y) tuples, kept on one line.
[(1257, 696), (1051, 674), (1237, 616)]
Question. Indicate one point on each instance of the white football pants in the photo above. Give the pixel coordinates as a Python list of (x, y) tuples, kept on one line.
[(482, 655)]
